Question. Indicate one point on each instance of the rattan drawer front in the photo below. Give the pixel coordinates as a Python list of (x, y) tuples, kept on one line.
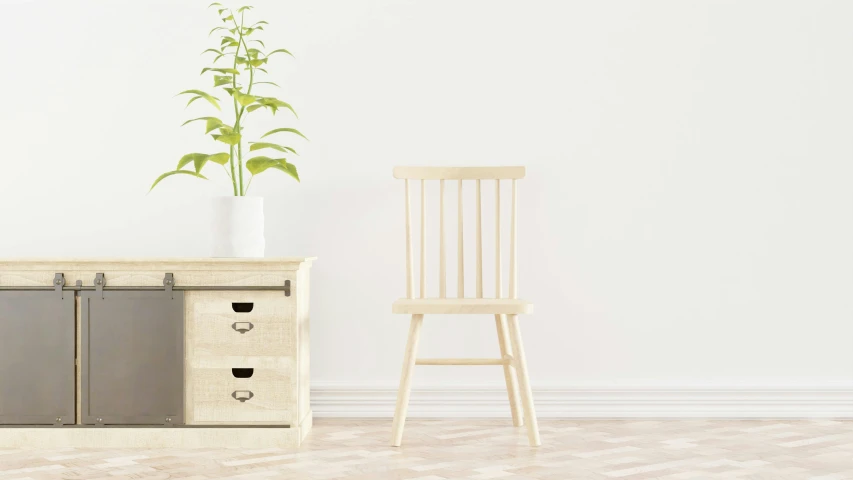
[(218, 397)]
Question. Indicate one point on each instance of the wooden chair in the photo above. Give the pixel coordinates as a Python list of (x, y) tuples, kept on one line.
[(505, 310)]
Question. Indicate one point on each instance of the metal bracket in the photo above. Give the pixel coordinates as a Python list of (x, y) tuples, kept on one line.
[(57, 421), (100, 282), (169, 282), (168, 422), (58, 283), (287, 288), (99, 422)]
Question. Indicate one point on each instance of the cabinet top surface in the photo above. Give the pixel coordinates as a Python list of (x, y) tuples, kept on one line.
[(158, 262)]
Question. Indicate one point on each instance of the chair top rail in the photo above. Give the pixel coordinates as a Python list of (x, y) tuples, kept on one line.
[(459, 173)]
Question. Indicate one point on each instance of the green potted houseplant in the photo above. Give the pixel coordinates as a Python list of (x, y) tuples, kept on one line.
[(237, 66)]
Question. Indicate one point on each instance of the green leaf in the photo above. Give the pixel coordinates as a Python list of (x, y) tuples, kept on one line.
[(279, 50), (257, 62), (242, 9), (257, 165), (192, 100), (262, 22), (218, 57), (289, 169), (227, 39), (220, 158), (229, 17), (244, 99), (220, 70), (240, 60), (212, 123), (226, 129), (209, 98), (214, 4), (290, 130), (262, 43), (215, 29), (254, 52), (191, 157), (211, 50), (176, 172), (268, 83), (222, 80), (221, 10), (254, 107), (261, 145), (275, 103), (198, 159), (230, 139)]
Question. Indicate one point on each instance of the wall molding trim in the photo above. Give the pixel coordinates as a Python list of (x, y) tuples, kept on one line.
[(350, 400)]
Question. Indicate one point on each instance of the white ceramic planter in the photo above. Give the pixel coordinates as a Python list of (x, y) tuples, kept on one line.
[(238, 227)]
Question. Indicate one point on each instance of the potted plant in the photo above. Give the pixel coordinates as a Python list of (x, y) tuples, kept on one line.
[(238, 220)]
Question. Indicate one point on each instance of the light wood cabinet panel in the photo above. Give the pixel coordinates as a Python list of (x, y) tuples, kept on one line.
[(218, 397), (245, 325)]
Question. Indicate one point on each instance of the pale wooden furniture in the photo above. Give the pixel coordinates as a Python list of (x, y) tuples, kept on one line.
[(244, 351), (505, 310)]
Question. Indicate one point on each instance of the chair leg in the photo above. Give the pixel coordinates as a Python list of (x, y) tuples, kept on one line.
[(406, 380), (509, 372), (524, 382)]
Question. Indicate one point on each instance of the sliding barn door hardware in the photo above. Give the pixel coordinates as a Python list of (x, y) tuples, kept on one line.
[(100, 283), (59, 283), (168, 283)]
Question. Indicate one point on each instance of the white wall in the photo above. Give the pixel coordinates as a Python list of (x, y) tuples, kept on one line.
[(686, 221)]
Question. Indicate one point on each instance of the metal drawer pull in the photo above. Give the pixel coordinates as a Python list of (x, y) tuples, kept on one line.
[(242, 372), (242, 307), (242, 327), (242, 395)]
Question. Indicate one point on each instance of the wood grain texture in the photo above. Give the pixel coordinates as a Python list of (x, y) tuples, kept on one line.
[(273, 399), (276, 347), (212, 437), (524, 389), (460, 252), (405, 388), (303, 336), (210, 319), (423, 241), (575, 449), (510, 377), (442, 255), (509, 339), (489, 306), (458, 173), (462, 361), (410, 275)]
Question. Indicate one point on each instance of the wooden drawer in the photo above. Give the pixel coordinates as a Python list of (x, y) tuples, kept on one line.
[(219, 325), (216, 396)]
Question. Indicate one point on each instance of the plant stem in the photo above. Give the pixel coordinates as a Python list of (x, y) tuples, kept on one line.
[(238, 114), (231, 161)]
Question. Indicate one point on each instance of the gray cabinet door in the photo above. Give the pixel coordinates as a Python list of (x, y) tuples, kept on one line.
[(37, 368), (132, 357)]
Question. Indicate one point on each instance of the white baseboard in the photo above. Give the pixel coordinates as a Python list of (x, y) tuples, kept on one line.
[(344, 400)]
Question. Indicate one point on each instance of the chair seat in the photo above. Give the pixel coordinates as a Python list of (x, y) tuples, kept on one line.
[(417, 306)]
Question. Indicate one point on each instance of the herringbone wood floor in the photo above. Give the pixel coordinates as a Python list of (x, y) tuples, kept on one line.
[(484, 449)]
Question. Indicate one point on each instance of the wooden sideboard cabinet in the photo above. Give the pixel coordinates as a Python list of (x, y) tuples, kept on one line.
[(154, 353)]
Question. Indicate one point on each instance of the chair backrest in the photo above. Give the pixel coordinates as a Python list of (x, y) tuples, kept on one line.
[(460, 174)]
